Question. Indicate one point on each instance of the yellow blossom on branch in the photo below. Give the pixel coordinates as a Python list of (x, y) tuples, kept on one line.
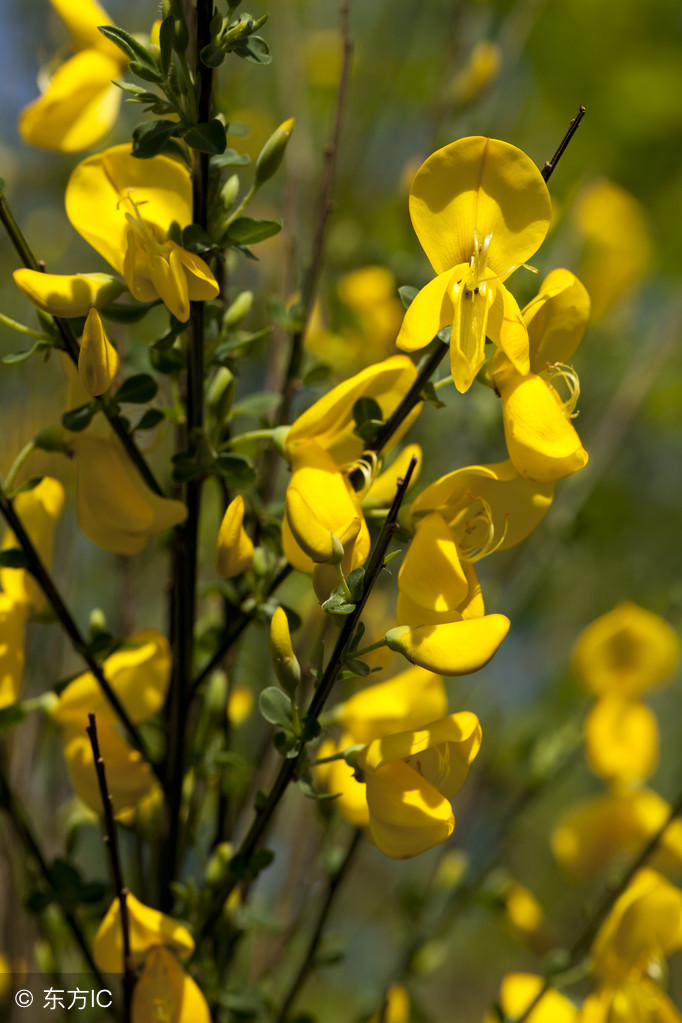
[(234, 549), (13, 615), (124, 207), (38, 510), (480, 208)]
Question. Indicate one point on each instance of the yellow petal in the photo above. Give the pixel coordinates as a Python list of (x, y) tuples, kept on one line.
[(234, 549), (487, 506), (440, 752), (38, 510), (621, 739), (411, 699), (284, 659), (541, 440), (98, 360), (82, 18), (12, 626), (67, 294), (644, 923), (166, 992), (471, 309), (329, 422), (626, 651), (407, 815), (148, 929), (430, 310), (99, 186), (201, 284), (556, 319), (518, 992), (506, 327), (431, 574), (479, 186), (79, 107), (116, 509), (138, 673), (397, 1008), (129, 776), (339, 777), (454, 648), (320, 502)]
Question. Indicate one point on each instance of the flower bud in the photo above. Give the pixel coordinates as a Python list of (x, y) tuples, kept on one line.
[(284, 660), (220, 393), (234, 550), (270, 156), (238, 310), (228, 193), (98, 360)]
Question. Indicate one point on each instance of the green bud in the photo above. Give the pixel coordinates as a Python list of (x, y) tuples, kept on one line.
[(287, 668), (238, 310), (221, 393), (218, 866), (270, 156), (52, 438), (216, 694), (98, 622), (228, 193)]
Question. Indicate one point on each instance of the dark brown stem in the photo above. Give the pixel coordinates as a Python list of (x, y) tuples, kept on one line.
[(111, 842), (572, 129), (35, 566), (290, 766)]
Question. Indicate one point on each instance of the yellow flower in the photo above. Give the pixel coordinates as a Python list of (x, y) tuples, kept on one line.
[(480, 208), (12, 626), (284, 660), (589, 836), (234, 549), (410, 779), (98, 360), (626, 651), (542, 443), (621, 739), (165, 991), (38, 510), (124, 208), (525, 917), (115, 507), (520, 989), (81, 103), (139, 674), (644, 925), (397, 1008), (323, 449), (148, 929), (67, 294), (457, 647), (488, 507)]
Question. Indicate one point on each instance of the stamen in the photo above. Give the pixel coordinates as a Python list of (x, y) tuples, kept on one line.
[(474, 529), (369, 466), (568, 377)]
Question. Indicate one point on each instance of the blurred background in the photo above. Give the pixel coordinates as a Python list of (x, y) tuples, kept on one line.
[(424, 75)]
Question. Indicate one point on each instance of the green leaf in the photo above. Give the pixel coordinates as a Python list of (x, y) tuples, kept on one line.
[(151, 418), (357, 667), (212, 55), (145, 73), (430, 394), (258, 404), (35, 480), (367, 410), (125, 312), (407, 294), (318, 373), (356, 581), (230, 158), (307, 790), (16, 357), (237, 469), (207, 138), (247, 868), (275, 707), (137, 390), (13, 557), (11, 716), (79, 418), (334, 606), (134, 90), (247, 231), (195, 239), (253, 48), (130, 46), (168, 362), (240, 342), (166, 40), (150, 138), (287, 744)]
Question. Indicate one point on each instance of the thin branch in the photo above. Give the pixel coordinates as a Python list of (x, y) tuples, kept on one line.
[(333, 886), (111, 842), (325, 207), (20, 823), (37, 569), (550, 166), (290, 766)]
